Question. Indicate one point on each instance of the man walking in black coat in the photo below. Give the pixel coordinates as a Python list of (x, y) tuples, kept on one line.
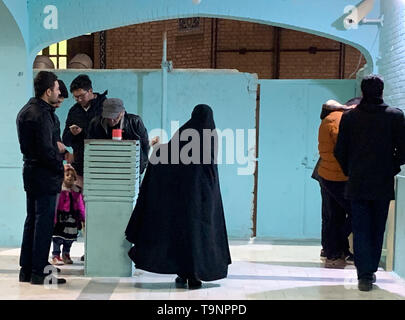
[(89, 105), (38, 135), (370, 149)]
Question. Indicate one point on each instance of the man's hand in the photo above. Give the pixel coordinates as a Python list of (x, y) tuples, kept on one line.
[(75, 130), (154, 141), (61, 147), (69, 157)]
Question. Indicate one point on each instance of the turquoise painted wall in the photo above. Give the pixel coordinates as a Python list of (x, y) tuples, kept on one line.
[(391, 64), (13, 92), (320, 17), (289, 202), (399, 252), (19, 10), (232, 95)]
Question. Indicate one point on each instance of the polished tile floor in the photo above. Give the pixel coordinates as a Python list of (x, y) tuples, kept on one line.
[(260, 271)]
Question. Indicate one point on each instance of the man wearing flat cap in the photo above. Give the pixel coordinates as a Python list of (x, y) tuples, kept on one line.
[(114, 116)]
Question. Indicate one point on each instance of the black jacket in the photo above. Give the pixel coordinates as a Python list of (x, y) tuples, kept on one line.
[(78, 116), (370, 149), (38, 131), (133, 129), (57, 123), (178, 224)]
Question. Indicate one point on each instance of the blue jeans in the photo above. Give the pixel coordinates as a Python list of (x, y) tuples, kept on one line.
[(57, 242), (37, 235), (368, 221)]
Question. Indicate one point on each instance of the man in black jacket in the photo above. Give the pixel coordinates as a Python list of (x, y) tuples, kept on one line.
[(370, 149), (115, 117), (89, 105), (42, 175)]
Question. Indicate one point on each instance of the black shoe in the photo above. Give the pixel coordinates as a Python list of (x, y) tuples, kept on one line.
[(365, 285), (40, 279), (82, 258), (180, 282), (24, 276), (335, 263), (194, 283), (323, 255)]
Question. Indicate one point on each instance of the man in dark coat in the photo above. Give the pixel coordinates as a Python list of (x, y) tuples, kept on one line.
[(178, 224), (370, 149), (42, 175), (89, 105), (115, 117)]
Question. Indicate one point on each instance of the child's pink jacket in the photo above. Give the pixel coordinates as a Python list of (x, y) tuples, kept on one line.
[(64, 202)]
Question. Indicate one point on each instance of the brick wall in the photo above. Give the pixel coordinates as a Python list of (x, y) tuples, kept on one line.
[(227, 44), (391, 67), (392, 44), (256, 39), (96, 59), (354, 61)]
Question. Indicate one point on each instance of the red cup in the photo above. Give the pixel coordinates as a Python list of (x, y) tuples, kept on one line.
[(117, 134)]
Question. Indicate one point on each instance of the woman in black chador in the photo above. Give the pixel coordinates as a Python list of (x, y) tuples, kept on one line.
[(178, 224)]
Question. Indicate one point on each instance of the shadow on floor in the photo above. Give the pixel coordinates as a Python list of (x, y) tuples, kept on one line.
[(343, 292), (72, 272), (295, 278), (5, 271), (292, 264), (165, 285)]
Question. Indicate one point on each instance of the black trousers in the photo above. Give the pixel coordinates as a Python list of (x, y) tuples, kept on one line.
[(37, 236), (336, 218), (369, 219)]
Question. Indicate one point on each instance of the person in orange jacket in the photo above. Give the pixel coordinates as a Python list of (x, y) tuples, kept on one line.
[(336, 225)]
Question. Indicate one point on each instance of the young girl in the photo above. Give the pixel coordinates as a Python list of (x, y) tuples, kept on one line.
[(69, 217)]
